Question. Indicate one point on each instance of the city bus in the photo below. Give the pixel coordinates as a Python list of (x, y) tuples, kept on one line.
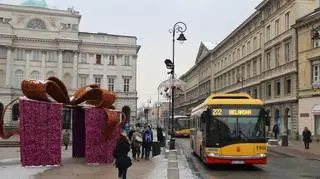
[(229, 129), (181, 125)]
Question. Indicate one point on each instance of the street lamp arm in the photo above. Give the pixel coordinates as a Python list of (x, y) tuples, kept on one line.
[(179, 27)]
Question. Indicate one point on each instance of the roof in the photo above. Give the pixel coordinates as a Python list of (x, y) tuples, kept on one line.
[(313, 16), (35, 3), (229, 99), (209, 45)]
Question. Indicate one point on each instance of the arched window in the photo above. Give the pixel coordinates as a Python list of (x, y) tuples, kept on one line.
[(36, 24), (15, 112), (67, 80), (50, 74), (35, 75), (19, 77), (2, 78)]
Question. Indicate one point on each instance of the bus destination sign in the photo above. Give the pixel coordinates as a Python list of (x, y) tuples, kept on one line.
[(235, 112)]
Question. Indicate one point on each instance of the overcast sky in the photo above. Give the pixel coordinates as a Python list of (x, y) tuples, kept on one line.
[(150, 21)]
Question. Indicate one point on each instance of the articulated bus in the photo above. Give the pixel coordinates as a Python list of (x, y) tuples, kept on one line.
[(181, 125), (229, 129)]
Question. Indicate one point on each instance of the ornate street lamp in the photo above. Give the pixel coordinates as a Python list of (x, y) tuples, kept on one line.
[(179, 28)]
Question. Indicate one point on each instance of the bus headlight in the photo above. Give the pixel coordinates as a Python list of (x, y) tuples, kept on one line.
[(212, 155), (262, 155)]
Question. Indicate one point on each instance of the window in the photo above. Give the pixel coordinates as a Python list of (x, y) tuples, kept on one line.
[(19, 77), (111, 83), (50, 74), (229, 78), (243, 50), (315, 73), (20, 54), (278, 88), (3, 53), (35, 75), (277, 56), (233, 56), (248, 47), (254, 43), (243, 69), (268, 33), (268, 90), (260, 40), (126, 82), (126, 60), (255, 93), (233, 77), (98, 59), (287, 53), (268, 60), (248, 70), (98, 79), (238, 54), (111, 60), (277, 27), (83, 58), (51, 56), (67, 79), (254, 68), (2, 79), (83, 80), (36, 24), (317, 41), (287, 20), (67, 57), (288, 86), (36, 55)]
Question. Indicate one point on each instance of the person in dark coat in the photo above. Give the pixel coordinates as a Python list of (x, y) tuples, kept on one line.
[(306, 137), (275, 130), (123, 162)]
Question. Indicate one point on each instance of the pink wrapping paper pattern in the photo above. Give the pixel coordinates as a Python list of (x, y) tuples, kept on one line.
[(40, 132), (98, 150)]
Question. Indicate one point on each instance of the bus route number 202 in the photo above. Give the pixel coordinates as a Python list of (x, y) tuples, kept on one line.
[(217, 112)]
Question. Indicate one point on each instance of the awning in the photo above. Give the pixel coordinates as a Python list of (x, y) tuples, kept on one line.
[(316, 109)]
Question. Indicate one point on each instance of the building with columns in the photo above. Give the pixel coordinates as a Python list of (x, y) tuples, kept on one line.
[(37, 42), (259, 57)]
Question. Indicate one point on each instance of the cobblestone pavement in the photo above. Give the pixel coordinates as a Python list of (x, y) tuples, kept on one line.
[(280, 165)]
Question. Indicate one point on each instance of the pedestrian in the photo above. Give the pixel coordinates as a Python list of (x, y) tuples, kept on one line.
[(306, 137), (147, 142), (136, 142), (66, 139), (275, 131), (160, 135), (122, 161)]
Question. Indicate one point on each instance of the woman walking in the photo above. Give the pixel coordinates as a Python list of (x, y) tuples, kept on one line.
[(123, 162)]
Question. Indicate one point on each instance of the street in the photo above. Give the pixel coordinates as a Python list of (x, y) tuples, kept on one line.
[(279, 166)]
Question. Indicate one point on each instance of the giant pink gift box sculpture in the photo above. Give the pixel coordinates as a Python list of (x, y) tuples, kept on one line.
[(40, 132), (98, 149)]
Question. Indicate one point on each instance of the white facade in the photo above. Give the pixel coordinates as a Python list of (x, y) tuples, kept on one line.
[(36, 43)]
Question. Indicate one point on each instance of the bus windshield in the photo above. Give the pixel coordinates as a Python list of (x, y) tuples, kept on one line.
[(227, 130)]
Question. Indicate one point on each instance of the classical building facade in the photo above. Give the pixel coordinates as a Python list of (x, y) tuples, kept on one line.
[(37, 42), (308, 29), (259, 57)]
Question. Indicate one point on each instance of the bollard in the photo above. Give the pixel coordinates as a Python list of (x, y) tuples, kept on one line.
[(172, 144), (284, 140)]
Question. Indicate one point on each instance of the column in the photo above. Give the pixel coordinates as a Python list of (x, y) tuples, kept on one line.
[(91, 80), (60, 64), (28, 58), (43, 66), (8, 67), (75, 70)]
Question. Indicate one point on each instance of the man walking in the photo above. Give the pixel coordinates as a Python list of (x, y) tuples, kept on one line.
[(306, 137), (147, 142), (275, 130), (66, 139)]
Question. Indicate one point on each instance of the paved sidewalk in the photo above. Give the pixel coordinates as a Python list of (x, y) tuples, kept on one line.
[(296, 148), (72, 168)]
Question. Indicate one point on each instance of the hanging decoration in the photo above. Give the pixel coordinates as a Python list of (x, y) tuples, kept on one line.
[(165, 87)]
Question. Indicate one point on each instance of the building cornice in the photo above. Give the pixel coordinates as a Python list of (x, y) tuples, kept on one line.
[(110, 45)]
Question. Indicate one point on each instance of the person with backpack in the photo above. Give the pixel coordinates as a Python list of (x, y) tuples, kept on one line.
[(147, 142), (136, 142)]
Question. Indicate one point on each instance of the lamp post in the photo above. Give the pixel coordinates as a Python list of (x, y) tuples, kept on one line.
[(179, 28)]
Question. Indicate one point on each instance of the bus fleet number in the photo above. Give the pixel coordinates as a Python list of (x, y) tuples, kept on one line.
[(217, 112)]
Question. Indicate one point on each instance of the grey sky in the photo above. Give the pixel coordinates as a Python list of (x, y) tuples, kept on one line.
[(150, 21)]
